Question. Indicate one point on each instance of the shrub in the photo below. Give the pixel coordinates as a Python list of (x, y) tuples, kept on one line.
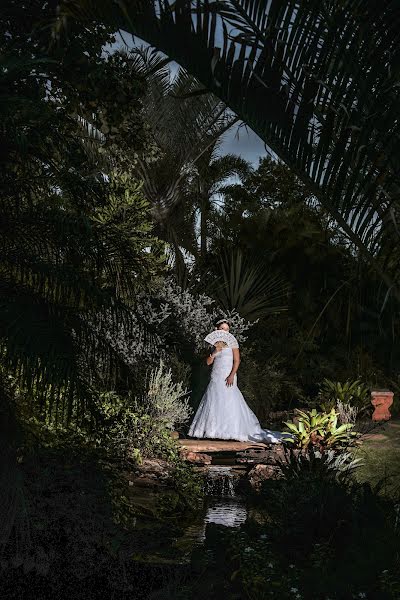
[(265, 385), (347, 413), (322, 539), (164, 400), (353, 393), (133, 428), (320, 431), (324, 465)]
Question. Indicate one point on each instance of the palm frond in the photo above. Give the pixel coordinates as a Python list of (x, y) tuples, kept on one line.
[(182, 125), (316, 81), (244, 285)]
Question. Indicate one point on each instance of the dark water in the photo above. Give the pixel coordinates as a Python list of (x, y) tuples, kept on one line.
[(223, 506)]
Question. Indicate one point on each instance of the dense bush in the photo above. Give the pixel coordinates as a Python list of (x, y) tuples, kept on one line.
[(77, 530), (353, 393), (132, 427), (74, 525), (265, 384)]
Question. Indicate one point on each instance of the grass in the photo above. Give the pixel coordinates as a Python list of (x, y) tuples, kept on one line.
[(380, 452)]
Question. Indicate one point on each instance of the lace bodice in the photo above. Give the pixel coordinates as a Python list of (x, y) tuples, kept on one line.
[(222, 364)]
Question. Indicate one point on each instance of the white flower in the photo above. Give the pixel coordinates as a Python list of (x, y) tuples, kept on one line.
[(294, 590), (191, 311)]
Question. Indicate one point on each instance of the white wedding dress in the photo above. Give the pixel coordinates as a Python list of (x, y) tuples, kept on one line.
[(223, 412)]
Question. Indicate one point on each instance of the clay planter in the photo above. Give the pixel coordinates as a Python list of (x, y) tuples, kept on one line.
[(381, 400)]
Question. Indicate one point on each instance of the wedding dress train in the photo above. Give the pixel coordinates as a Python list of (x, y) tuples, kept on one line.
[(223, 412)]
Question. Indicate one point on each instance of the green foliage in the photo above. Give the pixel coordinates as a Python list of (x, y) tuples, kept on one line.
[(329, 464), (184, 126), (133, 427), (305, 538), (165, 400), (264, 383), (320, 431), (73, 242), (318, 536), (242, 284), (354, 393), (187, 491), (330, 112), (81, 529), (333, 327)]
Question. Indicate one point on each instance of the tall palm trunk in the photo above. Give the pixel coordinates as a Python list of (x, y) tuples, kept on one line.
[(204, 210), (203, 230)]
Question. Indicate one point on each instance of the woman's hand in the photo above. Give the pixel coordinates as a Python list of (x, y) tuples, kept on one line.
[(210, 358), (230, 380)]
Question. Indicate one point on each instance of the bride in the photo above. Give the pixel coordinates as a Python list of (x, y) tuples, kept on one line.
[(223, 412)]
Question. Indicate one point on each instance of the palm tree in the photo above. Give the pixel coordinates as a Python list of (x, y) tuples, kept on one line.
[(206, 186), (184, 123), (316, 81)]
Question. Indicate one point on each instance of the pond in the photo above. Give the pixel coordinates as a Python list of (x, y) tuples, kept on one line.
[(224, 506)]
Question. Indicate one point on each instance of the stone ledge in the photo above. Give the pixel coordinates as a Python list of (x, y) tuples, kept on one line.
[(205, 446)]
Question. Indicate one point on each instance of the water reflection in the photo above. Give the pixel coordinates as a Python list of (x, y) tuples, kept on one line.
[(230, 513), (223, 507)]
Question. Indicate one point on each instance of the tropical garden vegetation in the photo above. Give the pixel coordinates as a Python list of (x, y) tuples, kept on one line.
[(126, 230)]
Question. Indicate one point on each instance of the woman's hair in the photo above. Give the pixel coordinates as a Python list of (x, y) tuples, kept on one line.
[(220, 321)]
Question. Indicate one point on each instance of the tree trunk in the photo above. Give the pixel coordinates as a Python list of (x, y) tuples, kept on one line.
[(203, 228)]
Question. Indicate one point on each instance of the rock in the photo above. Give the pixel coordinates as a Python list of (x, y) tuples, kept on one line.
[(155, 466), (196, 457), (266, 455), (152, 473), (147, 482), (260, 473)]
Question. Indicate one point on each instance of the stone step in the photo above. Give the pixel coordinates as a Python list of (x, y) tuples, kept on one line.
[(205, 446), (229, 452)]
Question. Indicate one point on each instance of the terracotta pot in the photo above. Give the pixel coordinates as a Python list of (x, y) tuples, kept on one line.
[(381, 400)]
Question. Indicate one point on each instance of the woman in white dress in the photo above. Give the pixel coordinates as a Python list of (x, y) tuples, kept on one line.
[(223, 412)]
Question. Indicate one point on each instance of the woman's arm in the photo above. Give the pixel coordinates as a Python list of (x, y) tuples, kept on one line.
[(210, 357), (236, 362)]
